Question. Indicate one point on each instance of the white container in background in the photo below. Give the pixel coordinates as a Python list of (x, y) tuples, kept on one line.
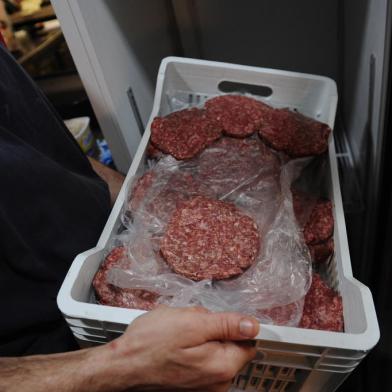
[(80, 129)]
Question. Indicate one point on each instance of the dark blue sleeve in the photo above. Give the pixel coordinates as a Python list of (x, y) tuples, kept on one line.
[(52, 207)]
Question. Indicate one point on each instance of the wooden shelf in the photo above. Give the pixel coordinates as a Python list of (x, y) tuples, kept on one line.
[(21, 18)]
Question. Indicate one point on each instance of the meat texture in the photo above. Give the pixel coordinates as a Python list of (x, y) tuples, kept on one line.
[(293, 133), (156, 195), (111, 295), (239, 116), (210, 239), (319, 227), (230, 165), (282, 315), (323, 308), (316, 219), (322, 251), (185, 133), (140, 190)]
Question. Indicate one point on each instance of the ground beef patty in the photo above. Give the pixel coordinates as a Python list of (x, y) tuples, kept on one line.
[(181, 186), (281, 315), (185, 133), (210, 239), (323, 308), (155, 196), (111, 295), (230, 164), (139, 190), (239, 116), (315, 216), (294, 133), (319, 227)]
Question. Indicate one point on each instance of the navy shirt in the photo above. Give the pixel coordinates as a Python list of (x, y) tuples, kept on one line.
[(52, 207)]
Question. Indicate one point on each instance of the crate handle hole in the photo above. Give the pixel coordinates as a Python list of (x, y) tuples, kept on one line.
[(235, 87)]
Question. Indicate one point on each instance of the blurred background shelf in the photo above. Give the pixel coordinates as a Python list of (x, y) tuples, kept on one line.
[(22, 18)]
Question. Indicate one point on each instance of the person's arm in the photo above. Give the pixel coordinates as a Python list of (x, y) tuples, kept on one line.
[(113, 178), (57, 372), (166, 349)]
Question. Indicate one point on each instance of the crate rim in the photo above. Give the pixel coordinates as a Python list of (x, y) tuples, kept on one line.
[(218, 64)]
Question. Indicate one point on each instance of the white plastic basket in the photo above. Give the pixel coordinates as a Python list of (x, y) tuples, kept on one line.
[(301, 359)]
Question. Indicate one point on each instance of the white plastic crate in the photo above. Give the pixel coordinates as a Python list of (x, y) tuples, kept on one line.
[(294, 358)]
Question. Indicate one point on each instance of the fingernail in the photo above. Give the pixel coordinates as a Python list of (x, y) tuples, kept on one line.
[(247, 328)]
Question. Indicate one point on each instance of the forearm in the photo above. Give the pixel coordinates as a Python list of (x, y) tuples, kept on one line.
[(113, 178), (167, 349), (88, 370)]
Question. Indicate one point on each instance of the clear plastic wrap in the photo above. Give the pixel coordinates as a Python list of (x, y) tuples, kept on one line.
[(259, 183)]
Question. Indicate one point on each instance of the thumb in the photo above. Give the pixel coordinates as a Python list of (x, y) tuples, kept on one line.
[(229, 326)]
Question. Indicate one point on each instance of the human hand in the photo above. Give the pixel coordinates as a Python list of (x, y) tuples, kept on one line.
[(177, 349)]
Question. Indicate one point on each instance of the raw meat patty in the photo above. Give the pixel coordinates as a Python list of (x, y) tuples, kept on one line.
[(114, 296), (210, 239), (323, 308), (322, 251), (318, 223), (230, 164), (140, 189), (239, 116), (156, 196), (185, 133), (282, 315), (294, 133), (179, 188)]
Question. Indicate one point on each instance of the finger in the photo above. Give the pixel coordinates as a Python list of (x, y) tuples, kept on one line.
[(221, 360), (161, 307), (229, 326), (238, 354), (199, 309), (207, 350), (245, 343), (230, 359)]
